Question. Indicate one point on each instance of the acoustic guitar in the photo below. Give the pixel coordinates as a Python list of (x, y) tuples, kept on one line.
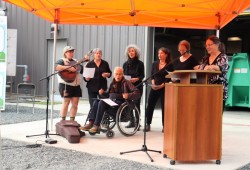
[(68, 76)]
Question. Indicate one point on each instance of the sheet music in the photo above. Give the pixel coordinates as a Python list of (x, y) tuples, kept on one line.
[(88, 72), (109, 102), (127, 77)]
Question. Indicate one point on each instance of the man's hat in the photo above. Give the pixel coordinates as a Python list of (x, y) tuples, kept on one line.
[(68, 48)]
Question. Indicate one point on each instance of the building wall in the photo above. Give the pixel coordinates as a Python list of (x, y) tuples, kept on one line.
[(34, 34)]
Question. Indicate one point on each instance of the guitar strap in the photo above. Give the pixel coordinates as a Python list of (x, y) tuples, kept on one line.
[(65, 91)]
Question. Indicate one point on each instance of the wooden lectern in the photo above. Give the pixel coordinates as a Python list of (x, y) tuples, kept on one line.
[(193, 117)]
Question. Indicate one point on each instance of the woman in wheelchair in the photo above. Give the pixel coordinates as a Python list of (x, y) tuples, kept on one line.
[(120, 90)]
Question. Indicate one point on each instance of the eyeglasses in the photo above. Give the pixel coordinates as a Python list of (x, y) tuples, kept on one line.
[(209, 45)]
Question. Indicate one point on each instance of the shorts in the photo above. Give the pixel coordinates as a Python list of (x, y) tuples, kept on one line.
[(70, 91)]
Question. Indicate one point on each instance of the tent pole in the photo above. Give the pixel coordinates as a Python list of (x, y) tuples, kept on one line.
[(218, 33), (219, 25), (53, 77)]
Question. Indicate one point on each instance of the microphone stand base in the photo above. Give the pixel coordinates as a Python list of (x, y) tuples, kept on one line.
[(143, 149)]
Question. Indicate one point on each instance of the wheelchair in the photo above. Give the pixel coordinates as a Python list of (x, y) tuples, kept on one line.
[(121, 116)]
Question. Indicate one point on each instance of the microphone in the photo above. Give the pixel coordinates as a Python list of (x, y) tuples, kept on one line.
[(185, 52), (167, 71)]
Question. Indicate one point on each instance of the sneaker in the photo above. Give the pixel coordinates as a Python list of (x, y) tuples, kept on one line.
[(147, 128), (94, 129), (86, 127)]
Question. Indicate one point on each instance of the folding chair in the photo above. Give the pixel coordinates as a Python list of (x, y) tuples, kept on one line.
[(26, 91)]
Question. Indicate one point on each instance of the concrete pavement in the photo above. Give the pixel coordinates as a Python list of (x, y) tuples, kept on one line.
[(235, 141)]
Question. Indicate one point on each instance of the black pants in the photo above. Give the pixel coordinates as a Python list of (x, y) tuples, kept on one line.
[(223, 107), (153, 97), (92, 96), (138, 102), (97, 111)]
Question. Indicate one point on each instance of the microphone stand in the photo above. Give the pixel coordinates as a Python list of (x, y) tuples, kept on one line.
[(47, 114), (144, 146), (51, 141)]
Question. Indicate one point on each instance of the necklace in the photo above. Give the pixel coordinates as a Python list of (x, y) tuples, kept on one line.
[(162, 63), (211, 60)]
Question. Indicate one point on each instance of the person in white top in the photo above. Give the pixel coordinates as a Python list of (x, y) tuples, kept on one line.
[(69, 82)]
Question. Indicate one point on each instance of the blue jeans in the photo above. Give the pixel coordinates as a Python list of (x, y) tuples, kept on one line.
[(97, 111)]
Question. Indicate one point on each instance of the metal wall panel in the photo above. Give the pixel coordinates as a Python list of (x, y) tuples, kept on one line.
[(33, 34)]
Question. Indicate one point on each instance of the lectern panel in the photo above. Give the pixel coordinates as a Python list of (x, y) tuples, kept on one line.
[(193, 122)]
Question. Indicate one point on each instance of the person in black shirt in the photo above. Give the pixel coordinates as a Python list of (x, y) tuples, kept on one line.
[(159, 71), (134, 68), (186, 61), (99, 81)]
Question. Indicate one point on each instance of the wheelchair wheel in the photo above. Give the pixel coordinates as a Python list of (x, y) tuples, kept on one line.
[(128, 114), (110, 134)]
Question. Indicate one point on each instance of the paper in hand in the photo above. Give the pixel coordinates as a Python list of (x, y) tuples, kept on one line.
[(88, 72), (127, 77), (109, 102)]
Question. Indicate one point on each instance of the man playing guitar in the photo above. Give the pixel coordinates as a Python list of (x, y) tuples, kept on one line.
[(69, 86)]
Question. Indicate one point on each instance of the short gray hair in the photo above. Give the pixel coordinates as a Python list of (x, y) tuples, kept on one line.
[(118, 68), (97, 50)]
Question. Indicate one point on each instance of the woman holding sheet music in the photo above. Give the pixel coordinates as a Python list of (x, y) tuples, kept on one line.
[(99, 81), (134, 71), (160, 69)]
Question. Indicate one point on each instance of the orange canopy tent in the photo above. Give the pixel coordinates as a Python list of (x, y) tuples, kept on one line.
[(200, 14)]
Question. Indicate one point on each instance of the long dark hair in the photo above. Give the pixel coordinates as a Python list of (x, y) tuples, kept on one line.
[(217, 41), (166, 51)]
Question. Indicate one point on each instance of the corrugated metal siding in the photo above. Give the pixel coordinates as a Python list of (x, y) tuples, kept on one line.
[(31, 36), (34, 32)]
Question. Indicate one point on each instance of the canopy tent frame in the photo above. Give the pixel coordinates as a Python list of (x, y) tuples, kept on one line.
[(196, 14)]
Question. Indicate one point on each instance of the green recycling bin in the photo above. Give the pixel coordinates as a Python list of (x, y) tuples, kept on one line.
[(239, 81)]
